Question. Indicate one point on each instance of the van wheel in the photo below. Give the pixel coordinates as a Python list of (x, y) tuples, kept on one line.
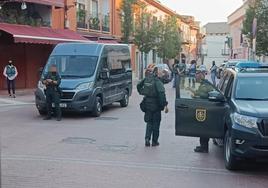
[(231, 162), (97, 109), (124, 102), (42, 112)]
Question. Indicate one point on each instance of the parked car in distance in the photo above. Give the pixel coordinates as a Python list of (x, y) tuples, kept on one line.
[(93, 75)]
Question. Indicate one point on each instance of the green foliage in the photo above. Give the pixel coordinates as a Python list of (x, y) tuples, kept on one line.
[(146, 31), (127, 19), (169, 44), (259, 11), (262, 29)]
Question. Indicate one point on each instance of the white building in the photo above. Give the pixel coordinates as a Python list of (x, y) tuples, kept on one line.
[(214, 46)]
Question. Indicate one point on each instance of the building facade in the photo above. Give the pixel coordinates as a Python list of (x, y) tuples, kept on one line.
[(29, 30), (214, 47)]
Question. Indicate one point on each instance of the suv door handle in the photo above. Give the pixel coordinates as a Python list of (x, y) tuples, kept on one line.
[(182, 106)]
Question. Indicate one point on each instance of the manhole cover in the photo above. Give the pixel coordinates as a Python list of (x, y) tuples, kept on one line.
[(118, 148), (78, 140), (107, 118)]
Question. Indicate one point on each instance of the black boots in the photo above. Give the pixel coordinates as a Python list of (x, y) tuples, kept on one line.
[(200, 149)]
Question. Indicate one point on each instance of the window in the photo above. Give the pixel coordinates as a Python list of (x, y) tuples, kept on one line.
[(199, 91), (74, 66), (95, 8), (118, 59), (225, 83)]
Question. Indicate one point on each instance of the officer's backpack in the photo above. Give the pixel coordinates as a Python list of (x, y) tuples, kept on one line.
[(149, 87)]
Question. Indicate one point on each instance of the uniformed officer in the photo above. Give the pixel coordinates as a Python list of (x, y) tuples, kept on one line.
[(52, 81), (153, 103), (203, 93)]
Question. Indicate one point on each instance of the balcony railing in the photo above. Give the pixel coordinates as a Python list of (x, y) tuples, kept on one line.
[(101, 23), (225, 52)]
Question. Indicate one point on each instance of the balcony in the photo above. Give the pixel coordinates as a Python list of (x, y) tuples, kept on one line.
[(32, 14), (225, 52), (101, 23)]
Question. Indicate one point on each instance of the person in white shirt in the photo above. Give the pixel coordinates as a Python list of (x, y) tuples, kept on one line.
[(10, 72)]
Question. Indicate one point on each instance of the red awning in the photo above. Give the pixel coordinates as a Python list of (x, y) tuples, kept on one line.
[(57, 3), (40, 35)]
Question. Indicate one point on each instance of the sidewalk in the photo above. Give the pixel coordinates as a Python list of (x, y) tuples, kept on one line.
[(23, 96)]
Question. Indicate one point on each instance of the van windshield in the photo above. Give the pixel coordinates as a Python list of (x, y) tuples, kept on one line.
[(74, 66)]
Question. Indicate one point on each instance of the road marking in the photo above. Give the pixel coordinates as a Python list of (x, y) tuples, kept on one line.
[(9, 102), (136, 165)]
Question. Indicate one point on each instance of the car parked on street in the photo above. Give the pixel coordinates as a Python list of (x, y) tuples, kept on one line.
[(235, 112), (93, 75)]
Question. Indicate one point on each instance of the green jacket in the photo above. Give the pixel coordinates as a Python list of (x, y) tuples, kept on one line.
[(52, 87), (155, 99), (203, 90)]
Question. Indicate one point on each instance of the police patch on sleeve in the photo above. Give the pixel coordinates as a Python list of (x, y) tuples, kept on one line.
[(201, 115)]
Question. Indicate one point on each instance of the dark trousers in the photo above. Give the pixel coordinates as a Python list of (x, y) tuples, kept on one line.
[(153, 126), (204, 142), (11, 86), (53, 97)]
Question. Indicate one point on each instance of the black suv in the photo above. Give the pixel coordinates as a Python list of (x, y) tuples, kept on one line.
[(236, 111)]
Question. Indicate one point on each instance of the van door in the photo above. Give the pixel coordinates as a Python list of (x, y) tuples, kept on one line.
[(117, 72), (104, 83), (196, 114)]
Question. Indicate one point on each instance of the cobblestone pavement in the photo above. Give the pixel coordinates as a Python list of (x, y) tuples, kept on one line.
[(86, 152)]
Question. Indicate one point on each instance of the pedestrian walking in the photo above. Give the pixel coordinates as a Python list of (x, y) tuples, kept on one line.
[(192, 72), (52, 81), (11, 73), (213, 72), (153, 103), (182, 73)]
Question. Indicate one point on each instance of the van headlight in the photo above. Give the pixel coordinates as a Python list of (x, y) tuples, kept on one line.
[(41, 86), (85, 86), (246, 121)]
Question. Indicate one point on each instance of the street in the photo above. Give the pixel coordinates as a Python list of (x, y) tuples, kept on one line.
[(82, 151)]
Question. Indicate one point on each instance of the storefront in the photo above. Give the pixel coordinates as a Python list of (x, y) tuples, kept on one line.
[(29, 47)]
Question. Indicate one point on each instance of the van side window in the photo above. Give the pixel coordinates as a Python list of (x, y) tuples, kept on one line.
[(104, 61), (118, 62)]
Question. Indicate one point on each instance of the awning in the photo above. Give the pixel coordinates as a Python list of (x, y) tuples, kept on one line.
[(57, 3), (40, 35)]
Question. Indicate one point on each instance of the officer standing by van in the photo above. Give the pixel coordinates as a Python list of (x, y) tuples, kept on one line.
[(153, 103), (52, 81)]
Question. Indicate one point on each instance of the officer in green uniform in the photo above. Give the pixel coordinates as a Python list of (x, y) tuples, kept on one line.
[(153, 103), (52, 81), (203, 93)]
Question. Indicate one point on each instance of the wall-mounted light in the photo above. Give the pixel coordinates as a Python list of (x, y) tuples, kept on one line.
[(23, 6)]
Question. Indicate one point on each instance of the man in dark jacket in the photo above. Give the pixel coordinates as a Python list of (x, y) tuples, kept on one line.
[(52, 81), (154, 102)]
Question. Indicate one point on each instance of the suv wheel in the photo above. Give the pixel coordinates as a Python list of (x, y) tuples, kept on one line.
[(229, 159), (124, 102), (97, 109)]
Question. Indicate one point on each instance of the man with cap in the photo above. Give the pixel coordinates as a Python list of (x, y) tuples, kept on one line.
[(52, 81), (202, 92), (10, 72), (153, 103)]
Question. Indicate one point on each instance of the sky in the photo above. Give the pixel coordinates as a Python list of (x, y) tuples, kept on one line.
[(204, 10)]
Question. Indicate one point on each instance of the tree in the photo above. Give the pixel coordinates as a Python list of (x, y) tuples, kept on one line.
[(169, 44), (146, 33), (127, 19), (258, 10)]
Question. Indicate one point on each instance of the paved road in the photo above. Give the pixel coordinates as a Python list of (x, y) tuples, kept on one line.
[(87, 152)]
